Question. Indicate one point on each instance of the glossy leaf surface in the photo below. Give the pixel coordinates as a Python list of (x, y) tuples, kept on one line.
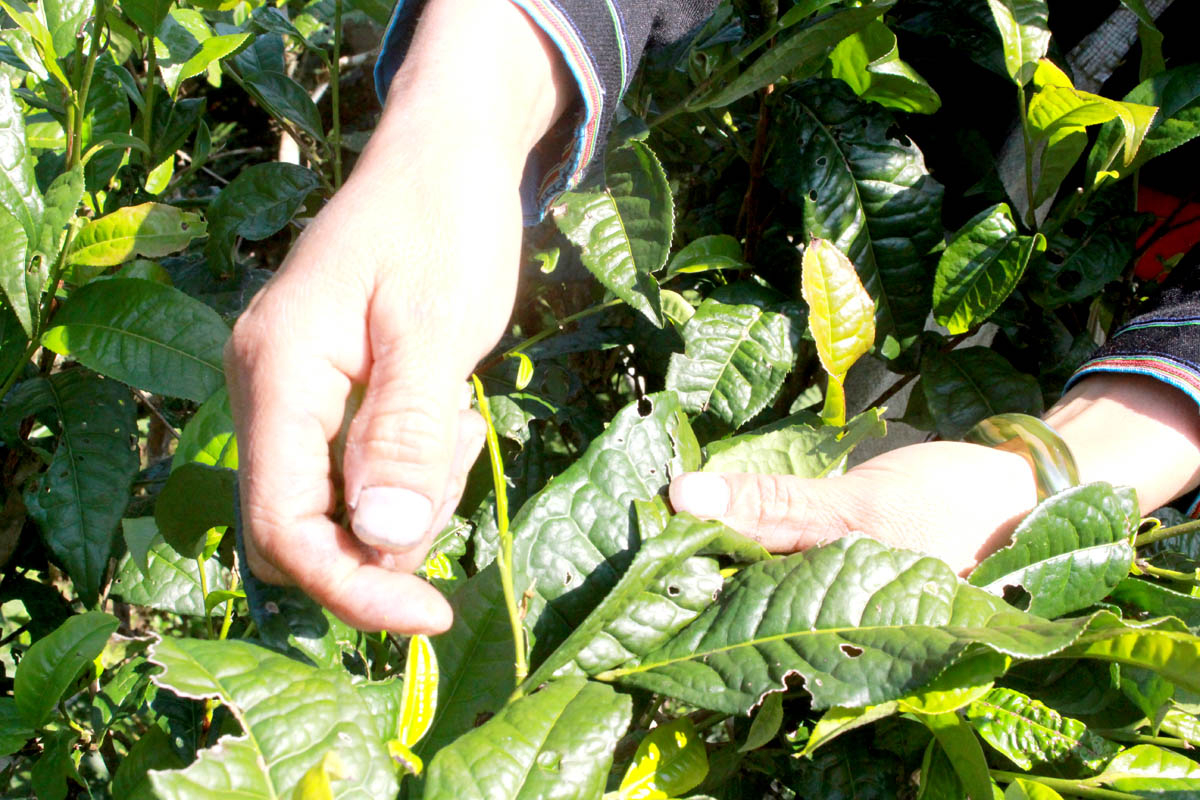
[(150, 230), (148, 335), (170, 582), (1069, 552), (624, 231), (735, 360), (78, 502), (980, 268), (1030, 733), (18, 188), (195, 497), (53, 663), (208, 437), (257, 203), (841, 313), (670, 760), (285, 99), (13, 248), (1025, 31), (292, 714), (803, 450), (554, 744), (869, 62), (1151, 770), (969, 384)]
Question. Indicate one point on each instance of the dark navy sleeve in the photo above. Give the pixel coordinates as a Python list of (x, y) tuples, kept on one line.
[(601, 42)]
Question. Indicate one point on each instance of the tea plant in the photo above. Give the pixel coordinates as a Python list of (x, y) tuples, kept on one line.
[(765, 222)]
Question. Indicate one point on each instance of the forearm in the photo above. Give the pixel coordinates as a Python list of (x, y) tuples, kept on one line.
[(1134, 431)]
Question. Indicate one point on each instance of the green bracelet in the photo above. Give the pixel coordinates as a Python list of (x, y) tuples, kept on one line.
[(1033, 440)]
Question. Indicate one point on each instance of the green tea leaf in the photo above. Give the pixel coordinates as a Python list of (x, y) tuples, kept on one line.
[(78, 502), (19, 193), (557, 742), (211, 50), (286, 100), (866, 191), (1163, 646), (1158, 600), (196, 497), (798, 54), (624, 232), (148, 335), (969, 384), (256, 204), (1069, 553), (150, 230), (208, 437), (1031, 734), (1025, 31), (292, 715), (799, 449), (170, 582), (1144, 768), (1021, 789), (869, 62), (139, 533), (14, 731), (13, 247), (52, 664), (670, 760), (980, 268), (147, 14), (841, 719), (1177, 94), (418, 704), (735, 360), (62, 200), (964, 751), (106, 120), (64, 20), (152, 751), (705, 254), (766, 724), (841, 314)]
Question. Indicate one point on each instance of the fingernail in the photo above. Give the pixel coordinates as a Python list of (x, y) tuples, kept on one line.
[(392, 518), (704, 494)]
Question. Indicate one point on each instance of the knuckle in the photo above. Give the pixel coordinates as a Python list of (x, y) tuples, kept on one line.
[(402, 436)]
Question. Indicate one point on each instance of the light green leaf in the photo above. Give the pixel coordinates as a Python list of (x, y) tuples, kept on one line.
[(418, 704), (150, 230), (841, 314), (52, 664), (1163, 646), (208, 437), (964, 751), (18, 188), (980, 268), (799, 449), (1031, 734), (869, 62), (1177, 94), (196, 497), (210, 51), (959, 685), (866, 191), (797, 54), (624, 232), (766, 724), (1148, 769), (705, 254), (1151, 39), (1025, 32), (170, 582), (65, 19), (148, 335), (1021, 789), (62, 200), (840, 719), (139, 535), (556, 743), (13, 247), (670, 760), (33, 23), (735, 359), (574, 539), (292, 716), (969, 384), (1069, 553), (286, 100), (79, 500), (1158, 600), (258, 203)]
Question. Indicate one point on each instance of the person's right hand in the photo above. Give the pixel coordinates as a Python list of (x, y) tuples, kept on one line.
[(402, 283)]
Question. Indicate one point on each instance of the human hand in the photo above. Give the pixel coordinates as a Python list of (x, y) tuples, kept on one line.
[(952, 500), (401, 284)]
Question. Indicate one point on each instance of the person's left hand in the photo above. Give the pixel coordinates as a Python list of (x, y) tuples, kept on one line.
[(959, 502)]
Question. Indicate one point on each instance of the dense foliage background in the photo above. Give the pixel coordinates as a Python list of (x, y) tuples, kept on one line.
[(933, 169)]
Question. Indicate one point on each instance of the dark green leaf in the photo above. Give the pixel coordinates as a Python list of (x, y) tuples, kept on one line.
[(286, 100), (139, 533), (195, 498), (55, 766), (52, 664), (1157, 600), (258, 203), (980, 268), (1025, 32), (171, 581), (798, 54), (624, 231), (766, 724), (147, 14), (575, 538), (78, 502), (62, 200), (152, 751), (107, 118), (1177, 94), (966, 755), (850, 772), (148, 335), (173, 123), (939, 781), (967, 385), (869, 193), (706, 253), (556, 743), (1030, 733), (14, 731), (292, 715), (735, 360), (1069, 553)]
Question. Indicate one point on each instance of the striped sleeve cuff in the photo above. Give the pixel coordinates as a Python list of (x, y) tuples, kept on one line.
[(552, 168), (1165, 349)]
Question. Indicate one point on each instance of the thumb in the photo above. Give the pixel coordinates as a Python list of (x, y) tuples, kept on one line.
[(400, 456), (782, 512)]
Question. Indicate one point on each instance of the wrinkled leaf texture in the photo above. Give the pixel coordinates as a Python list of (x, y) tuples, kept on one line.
[(1030, 733)]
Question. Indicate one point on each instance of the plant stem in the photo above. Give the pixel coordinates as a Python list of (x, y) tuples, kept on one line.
[(335, 79), (81, 94), (151, 91), (504, 557), (1160, 534), (1031, 214), (1073, 788), (834, 412), (200, 561), (1138, 738), (546, 334), (228, 621), (1167, 574)]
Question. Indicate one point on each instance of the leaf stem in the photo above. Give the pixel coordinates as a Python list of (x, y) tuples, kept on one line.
[(548, 332), (1167, 574), (1161, 534), (1138, 738), (335, 80), (504, 557), (834, 412), (200, 561), (81, 94), (228, 621), (1073, 788)]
